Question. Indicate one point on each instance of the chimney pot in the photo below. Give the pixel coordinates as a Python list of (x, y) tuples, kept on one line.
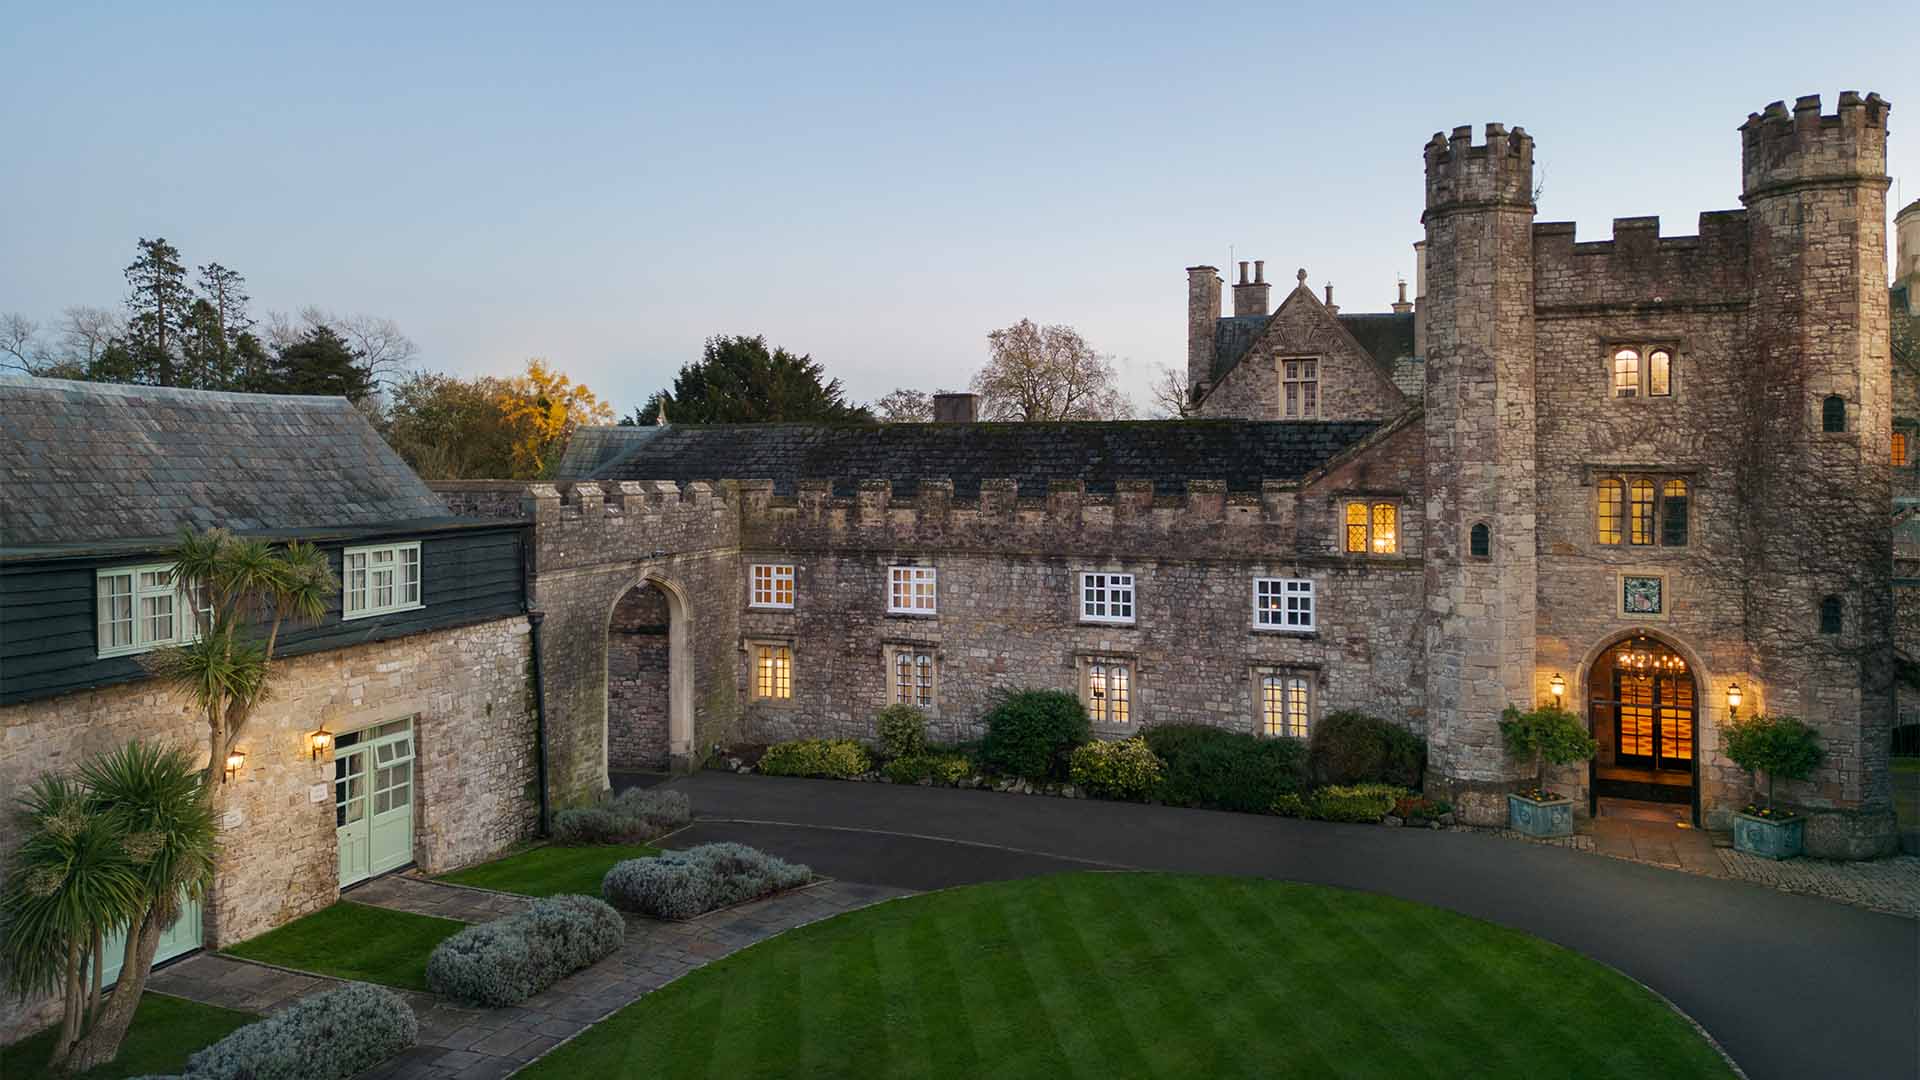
[(1243, 271), (1259, 271)]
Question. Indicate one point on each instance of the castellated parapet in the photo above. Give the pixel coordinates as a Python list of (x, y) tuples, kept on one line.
[(1497, 172), (1639, 267), (1781, 150)]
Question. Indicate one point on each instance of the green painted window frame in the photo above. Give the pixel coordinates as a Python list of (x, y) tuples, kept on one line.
[(360, 586), (186, 618)]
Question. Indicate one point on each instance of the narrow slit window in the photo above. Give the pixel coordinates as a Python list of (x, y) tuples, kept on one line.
[(1640, 511), (1833, 413), (1830, 615), (1610, 511), (1673, 514), (1480, 541), (1899, 448)]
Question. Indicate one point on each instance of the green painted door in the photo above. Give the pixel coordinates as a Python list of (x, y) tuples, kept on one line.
[(373, 800), (182, 937)]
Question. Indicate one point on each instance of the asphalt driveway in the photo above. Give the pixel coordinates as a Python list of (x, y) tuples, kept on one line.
[(1791, 985)]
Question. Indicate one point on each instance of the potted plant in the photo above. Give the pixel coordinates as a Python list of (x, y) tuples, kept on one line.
[(1780, 746), (1550, 735)]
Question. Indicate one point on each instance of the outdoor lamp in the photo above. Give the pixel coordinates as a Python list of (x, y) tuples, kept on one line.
[(1733, 698), (319, 741), (235, 759), (1558, 685)]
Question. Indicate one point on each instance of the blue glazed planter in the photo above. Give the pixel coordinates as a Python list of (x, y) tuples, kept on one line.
[(1769, 838), (1542, 819)]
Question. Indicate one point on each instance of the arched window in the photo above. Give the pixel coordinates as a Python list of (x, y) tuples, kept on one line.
[(1640, 511), (1830, 615), (1833, 413), (1673, 514), (1659, 373), (1610, 508), (1626, 373), (1479, 542)]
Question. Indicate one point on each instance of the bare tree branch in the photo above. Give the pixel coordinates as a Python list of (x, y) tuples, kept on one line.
[(1047, 373)]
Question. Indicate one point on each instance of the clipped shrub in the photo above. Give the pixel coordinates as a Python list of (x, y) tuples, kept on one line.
[(324, 1036), (508, 960), (1126, 769), (1782, 747), (840, 759), (902, 730), (1358, 802), (1549, 735), (632, 817), (1354, 748), (682, 884), (1227, 770), (944, 770), (1031, 733), (1290, 806)]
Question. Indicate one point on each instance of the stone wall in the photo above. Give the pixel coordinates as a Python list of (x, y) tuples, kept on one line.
[(477, 790), (638, 698), (1352, 385)]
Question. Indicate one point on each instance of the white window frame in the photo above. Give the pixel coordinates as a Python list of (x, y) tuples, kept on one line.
[(908, 581), (1284, 605), (1113, 591), (186, 615), (765, 586), (924, 675), (358, 598)]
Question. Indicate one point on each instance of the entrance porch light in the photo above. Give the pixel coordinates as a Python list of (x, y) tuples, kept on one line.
[(319, 741), (1733, 699), (235, 759), (1558, 686)]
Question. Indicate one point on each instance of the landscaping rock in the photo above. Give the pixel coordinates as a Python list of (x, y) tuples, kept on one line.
[(1391, 822)]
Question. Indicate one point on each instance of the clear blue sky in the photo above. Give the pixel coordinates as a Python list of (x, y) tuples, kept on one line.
[(879, 186)]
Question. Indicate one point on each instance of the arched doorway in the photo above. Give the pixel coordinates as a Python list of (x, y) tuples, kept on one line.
[(649, 687), (1643, 707)]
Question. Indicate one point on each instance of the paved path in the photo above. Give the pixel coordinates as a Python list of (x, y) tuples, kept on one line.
[(1792, 986), (479, 1044)]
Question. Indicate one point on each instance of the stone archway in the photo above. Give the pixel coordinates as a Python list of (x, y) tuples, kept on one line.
[(1644, 699), (649, 679)]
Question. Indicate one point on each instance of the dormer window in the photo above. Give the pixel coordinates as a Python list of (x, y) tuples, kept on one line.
[(1300, 389), (1642, 371)]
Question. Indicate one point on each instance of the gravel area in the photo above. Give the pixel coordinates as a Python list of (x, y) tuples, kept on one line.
[(1890, 885)]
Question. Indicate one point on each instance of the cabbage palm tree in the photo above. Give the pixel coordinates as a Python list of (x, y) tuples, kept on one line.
[(246, 591), (156, 802)]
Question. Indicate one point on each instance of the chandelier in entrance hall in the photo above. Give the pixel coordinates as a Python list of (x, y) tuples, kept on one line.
[(1643, 657)]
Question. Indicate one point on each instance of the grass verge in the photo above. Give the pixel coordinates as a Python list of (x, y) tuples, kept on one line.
[(165, 1031), (355, 941), (550, 870)]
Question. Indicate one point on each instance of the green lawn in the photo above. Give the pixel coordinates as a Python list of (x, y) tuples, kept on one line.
[(355, 941), (1135, 975), (550, 870), (165, 1031)]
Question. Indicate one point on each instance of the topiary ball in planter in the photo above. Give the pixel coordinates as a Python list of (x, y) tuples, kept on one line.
[(1769, 834), (1540, 818)]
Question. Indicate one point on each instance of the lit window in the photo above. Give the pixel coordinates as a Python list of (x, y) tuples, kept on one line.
[(1626, 373), (1833, 413), (1373, 528), (1284, 700), (910, 590), (1659, 373), (144, 607), (913, 678), (379, 580), (1109, 692), (1830, 615), (1386, 537), (773, 672), (1640, 512), (772, 585), (1283, 604), (1357, 527), (1611, 500), (1300, 389), (1673, 513), (1106, 598), (1899, 448)]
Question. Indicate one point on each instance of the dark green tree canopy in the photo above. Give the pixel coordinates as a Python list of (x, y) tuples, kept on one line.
[(320, 363), (740, 380)]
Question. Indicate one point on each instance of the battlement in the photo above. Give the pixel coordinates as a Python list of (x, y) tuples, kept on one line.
[(1782, 151), (631, 499), (1498, 172), (1638, 266)]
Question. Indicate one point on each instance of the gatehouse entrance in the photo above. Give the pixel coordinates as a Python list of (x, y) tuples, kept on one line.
[(1642, 709)]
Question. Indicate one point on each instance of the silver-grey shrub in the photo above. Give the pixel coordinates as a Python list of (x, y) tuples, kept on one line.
[(634, 816), (682, 884), (325, 1036), (508, 960)]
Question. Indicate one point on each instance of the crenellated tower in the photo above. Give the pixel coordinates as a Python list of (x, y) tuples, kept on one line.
[(1480, 612), (1821, 385)]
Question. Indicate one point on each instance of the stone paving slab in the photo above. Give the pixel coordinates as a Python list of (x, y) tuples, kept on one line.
[(469, 1043)]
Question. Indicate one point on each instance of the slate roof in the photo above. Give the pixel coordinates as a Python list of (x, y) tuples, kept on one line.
[(92, 462), (1169, 452), (592, 447), (1386, 336)]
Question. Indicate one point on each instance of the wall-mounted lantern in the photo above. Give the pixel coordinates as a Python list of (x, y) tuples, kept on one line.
[(1558, 686), (1733, 699), (235, 759), (319, 741)]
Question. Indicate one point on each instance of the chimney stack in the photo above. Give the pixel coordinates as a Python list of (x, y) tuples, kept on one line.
[(956, 408), (1402, 305), (1203, 319), (1332, 308), (1420, 298), (1250, 297)]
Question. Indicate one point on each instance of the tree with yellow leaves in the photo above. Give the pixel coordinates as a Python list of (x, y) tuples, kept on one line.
[(542, 408)]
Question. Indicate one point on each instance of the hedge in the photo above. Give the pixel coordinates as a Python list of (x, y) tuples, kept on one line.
[(507, 961), (840, 759), (1031, 733), (330, 1035), (634, 816), (941, 769), (1226, 770), (1353, 748), (682, 884)]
